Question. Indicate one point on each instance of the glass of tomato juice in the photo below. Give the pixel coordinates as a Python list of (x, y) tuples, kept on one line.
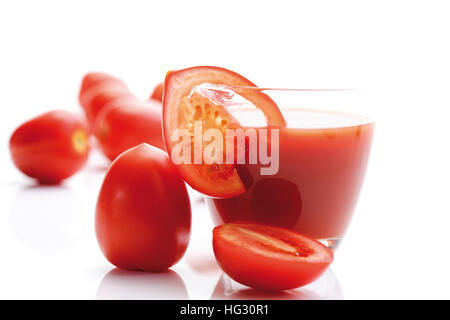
[(323, 155)]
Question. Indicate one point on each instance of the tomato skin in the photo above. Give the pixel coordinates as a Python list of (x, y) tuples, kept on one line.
[(158, 92), (97, 90), (50, 147), (92, 79), (97, 98), (262, 267), (127, 122), (143, 215)]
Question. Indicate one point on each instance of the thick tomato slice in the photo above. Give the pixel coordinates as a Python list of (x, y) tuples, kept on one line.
[(269, 258), (182, 106)]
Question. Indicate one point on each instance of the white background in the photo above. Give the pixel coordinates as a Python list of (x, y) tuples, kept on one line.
[(397, 52)]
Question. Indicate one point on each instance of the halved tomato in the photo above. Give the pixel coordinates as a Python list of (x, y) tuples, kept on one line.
[(269, 258), (182, 106)]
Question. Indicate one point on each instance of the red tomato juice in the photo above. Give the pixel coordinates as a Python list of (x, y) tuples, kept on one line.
[(322, 162)]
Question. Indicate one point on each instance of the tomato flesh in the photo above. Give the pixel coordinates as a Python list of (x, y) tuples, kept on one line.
[(182, 105), (198, 108), (269, 258)]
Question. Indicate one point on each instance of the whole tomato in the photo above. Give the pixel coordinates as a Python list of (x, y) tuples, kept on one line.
[(143, 215), (99, 97), (97, 90), (126, 122), (93, 79), (50, 147), (158, 92)]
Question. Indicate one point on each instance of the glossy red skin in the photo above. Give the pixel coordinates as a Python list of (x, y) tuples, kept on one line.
[(266, 268), (143, 215), (92, 79), (158, 92), (42, 147), (126, 123), (95, 99)]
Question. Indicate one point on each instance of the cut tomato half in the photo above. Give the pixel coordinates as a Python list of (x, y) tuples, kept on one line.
[(269, 258), (182, 106)]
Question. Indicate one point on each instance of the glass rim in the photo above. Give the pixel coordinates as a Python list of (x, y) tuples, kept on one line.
[(359, 116), (362, 119), (256, 88)]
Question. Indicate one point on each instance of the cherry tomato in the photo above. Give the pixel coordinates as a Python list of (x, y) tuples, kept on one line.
[(220, 181), (143, 215), (269, 258), (158, 92), (127, 122), (50, 147)]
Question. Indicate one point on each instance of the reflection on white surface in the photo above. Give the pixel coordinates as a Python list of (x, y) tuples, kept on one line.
[(46, 218), (202, 263), (123, 284), (326, 287), (200, 257)]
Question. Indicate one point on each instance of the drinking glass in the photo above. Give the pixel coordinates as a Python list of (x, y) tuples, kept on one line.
[(322, 158)]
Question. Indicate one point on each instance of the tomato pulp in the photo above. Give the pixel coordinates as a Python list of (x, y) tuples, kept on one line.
[(320, 174)]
